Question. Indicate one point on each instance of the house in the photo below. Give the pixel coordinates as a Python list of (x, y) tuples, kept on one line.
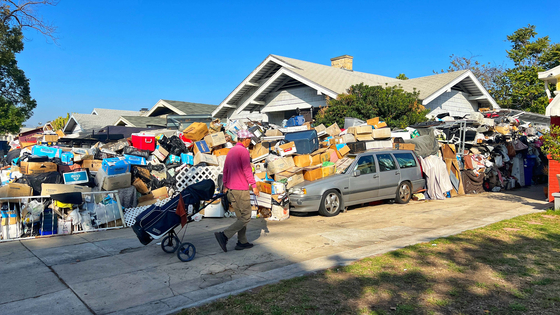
[(279, 86), (167, 113), (82, 124)]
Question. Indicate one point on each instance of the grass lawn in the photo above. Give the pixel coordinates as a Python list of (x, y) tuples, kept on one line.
[(510, 267)]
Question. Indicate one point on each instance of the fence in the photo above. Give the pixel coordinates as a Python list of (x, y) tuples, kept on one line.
[(38, 216)]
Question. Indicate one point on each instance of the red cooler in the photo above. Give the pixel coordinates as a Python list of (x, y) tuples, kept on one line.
[(144, 141)]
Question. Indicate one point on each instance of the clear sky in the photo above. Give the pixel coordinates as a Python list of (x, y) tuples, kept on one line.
[(128, 54)]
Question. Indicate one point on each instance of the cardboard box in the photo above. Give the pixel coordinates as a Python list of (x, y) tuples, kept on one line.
[(342, 164), (279, 213), (280, 165), (379, 144), (52, 189), (259, 152), (381, 124), (347, 138), (381, 133), (328, 170), (135, 160), (11, 231), (333, 130), (320, 128), (37, 167), (313, 174), (108, 182), (220, 152), (319, 158), (140, 186), (295, 179), (205, 158), (50, 138), (15, 190), (261, 176), (264, 200), (161, 153), (92, 165), (364, 137), (50, 152), (73, 178), (187, 158), (373, 121), (201, 147), (273, 133), (160, 193), (115, 166), (215, 139), (278, 188), (196, 131), (264, 187), (303, 160), (287, 149), (363, 130), (404, 146)]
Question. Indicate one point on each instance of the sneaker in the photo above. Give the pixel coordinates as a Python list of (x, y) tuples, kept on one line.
[(240, 246), (222, 240)]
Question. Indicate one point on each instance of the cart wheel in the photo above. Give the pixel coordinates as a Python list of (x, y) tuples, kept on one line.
[(170, 243), (186, 252)]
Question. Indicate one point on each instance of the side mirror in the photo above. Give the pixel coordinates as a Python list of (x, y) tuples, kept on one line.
[(356, 173)]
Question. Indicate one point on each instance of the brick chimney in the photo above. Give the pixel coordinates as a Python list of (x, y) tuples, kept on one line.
[(342, 62)]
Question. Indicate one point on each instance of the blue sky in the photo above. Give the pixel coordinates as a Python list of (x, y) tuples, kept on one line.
[(129, 54)]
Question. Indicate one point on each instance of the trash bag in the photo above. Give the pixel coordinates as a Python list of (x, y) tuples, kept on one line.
[(12, 155), (35, 181), (425, 145), (174, 145)]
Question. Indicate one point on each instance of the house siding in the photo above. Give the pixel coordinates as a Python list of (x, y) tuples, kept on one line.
[(454, 102), (301, 97)]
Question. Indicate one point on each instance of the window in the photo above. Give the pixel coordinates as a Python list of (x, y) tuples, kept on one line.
[(366, 165), (386, 162), (405, 160)]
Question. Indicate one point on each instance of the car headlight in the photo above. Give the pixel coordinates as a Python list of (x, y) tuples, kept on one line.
[(298, 191)]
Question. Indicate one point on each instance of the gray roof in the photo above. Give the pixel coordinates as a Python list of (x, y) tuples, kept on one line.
[(143, 122), (192, 108), (116, 112), (339, 80), (89, 122)]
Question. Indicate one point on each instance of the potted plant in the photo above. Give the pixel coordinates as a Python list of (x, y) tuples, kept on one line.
[(551, 146)]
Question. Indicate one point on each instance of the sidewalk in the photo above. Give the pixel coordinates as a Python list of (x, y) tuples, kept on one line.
[(111, 272)]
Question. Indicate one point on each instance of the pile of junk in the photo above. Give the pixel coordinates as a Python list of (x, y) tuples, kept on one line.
[(485, 151)]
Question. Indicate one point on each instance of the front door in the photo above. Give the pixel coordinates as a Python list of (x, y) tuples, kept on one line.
[(364, 187), (389, 175)]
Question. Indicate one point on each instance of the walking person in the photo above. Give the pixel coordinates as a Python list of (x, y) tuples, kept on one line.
[(238, 179)]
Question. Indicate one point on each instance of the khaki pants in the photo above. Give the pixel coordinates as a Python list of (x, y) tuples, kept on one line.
[(241, 202)]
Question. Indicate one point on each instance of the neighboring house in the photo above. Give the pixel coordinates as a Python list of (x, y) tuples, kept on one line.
[(141, 122), (552, 77), (280, 85), (163, 108), (166, 113), (84, 124)]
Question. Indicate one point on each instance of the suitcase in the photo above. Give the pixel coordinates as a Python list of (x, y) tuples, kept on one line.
[(144, 141), (306, 141), (357, 147)]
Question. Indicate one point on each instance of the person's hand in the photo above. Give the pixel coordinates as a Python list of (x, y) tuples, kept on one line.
[(224, 190), (255, 191)]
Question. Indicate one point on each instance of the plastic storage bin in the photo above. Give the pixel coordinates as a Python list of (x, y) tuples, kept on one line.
[(306, 141)]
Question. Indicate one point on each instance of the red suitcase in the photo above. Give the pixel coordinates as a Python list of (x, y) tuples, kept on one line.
[(144, 141)]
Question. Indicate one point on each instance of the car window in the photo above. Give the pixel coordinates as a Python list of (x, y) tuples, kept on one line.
[(366, 165), (405, 160), (386, 162)]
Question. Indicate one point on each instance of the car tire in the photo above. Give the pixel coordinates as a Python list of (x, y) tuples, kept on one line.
[(331, 203), (404, 193)]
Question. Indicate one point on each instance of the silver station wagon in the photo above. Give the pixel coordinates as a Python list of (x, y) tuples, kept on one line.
[(373, 175)]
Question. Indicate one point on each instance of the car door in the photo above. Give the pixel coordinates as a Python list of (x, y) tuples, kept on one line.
[(409, 168), (389, 174), (364, 187)]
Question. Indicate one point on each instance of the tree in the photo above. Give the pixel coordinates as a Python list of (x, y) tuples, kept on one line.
[(16, 103), (486, 73), (60, 122), (402, 76), (519, 87), (392, 104)]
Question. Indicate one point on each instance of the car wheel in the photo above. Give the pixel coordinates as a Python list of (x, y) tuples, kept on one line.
[(331, 203), (404, 193)]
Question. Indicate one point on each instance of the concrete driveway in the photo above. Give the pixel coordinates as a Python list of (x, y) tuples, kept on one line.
[(111, 272)]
